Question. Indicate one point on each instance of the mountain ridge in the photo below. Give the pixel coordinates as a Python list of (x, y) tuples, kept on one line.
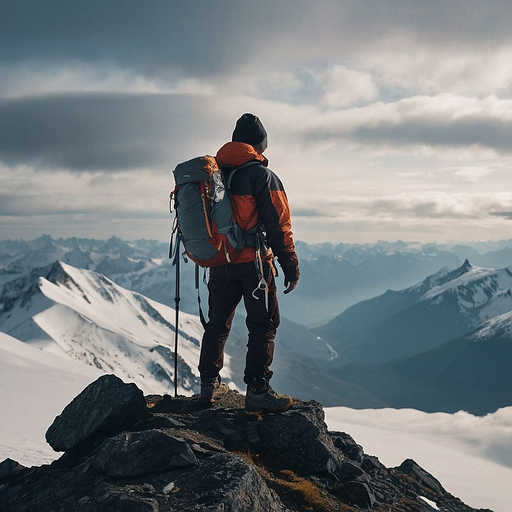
[(95, 321), (90, 318), (126, 451), (444, 306)]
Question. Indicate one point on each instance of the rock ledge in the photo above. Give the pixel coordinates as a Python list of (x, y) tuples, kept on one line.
[(125, 452)]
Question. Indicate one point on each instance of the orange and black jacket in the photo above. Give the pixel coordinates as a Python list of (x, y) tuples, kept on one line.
[(258, 196)]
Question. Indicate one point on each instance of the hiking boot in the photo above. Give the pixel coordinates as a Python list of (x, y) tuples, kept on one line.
[(266, 400), (211, 390)]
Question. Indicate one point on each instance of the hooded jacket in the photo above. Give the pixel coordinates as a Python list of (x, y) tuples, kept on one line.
[(258, 196)]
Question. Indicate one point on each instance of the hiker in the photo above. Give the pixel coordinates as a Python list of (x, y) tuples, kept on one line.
[(258, 199)]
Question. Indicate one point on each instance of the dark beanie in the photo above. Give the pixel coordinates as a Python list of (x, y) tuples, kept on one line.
[(249, 129)]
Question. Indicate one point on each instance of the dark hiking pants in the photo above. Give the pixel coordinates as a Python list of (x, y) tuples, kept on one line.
[(228, 284)]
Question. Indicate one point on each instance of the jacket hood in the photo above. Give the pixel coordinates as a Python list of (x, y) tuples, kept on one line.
[(234, 154)]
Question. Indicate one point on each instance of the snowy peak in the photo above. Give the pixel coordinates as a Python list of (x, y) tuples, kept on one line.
[(445, 306), (498, 327), (481, 293), (83, 285), (60, 275), (88, 317), (440, 278)]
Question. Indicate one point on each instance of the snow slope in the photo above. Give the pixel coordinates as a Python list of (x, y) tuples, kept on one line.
[(99, 323), (470, 455), (34, 388), (443, 307), (482, 293)]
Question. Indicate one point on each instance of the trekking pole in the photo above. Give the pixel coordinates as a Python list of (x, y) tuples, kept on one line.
[(177, 309)]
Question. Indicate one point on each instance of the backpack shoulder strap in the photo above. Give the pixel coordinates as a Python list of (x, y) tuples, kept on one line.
[(232, 173)]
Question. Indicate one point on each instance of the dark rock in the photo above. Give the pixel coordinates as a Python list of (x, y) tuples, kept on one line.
[(350, 470), (360, 494), (120, 500), (9, 468), (298, 440), (172, 455), (106, 404), (227, 482), (142, 453), (347, 446), (425, 479)]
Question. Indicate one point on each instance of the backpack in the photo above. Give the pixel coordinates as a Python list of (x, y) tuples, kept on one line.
[(204, 220)]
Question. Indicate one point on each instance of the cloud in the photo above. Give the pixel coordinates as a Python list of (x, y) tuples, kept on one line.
[(331, 87), (126, 131), (208, 38), (29, 193), (75, 77), (103, 131), (469, 173), (345, 86), (504, 214), (100, 100), (407, 207), (442, 121)]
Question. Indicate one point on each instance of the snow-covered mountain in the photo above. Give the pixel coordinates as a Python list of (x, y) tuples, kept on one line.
[(481, 293), (141, 266), (445, 306), (333, 276), (91, 319), (88, 317), (442, 345), (471, 373)]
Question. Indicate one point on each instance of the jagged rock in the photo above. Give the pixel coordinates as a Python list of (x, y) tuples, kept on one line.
[(227, 483), (120, 500), (348, 446), (360, 494), (175, 456), (8, 468), (142, 453), (424, 478), (108, 403), (298, 440)]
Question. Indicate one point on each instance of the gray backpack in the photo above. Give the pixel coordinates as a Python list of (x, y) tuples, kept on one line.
[(204, 216)]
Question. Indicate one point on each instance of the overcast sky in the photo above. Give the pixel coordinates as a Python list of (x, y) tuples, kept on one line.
[(387, 119)]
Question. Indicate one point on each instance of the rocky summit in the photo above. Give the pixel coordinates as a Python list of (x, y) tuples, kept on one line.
[(130, 453)]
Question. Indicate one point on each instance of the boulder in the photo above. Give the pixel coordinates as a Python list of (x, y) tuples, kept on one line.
[(127, 453), (298, 439), (142, 453), (420, 475), (9, 468), (224, 482), (106, 405)]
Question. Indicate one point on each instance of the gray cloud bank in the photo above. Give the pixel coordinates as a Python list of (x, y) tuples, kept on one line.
[(231, 48), (120, 131), (205, 36), (98, 131), (91, 91)]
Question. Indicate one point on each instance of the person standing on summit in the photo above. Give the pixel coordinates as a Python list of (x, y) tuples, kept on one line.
[(259, 202)]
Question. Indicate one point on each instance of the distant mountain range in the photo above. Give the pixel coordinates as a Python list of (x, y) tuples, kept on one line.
[(333, 276), (442, 344)]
